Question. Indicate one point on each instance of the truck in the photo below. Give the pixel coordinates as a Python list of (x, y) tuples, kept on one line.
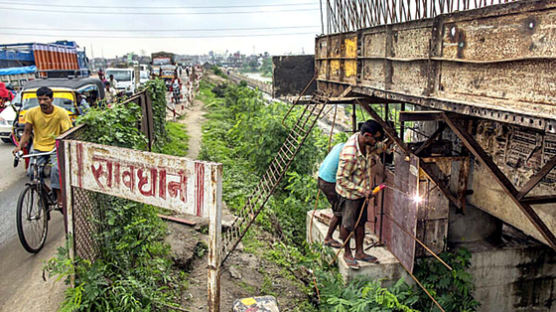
[(125, 79), (164, 66), (23, 61)]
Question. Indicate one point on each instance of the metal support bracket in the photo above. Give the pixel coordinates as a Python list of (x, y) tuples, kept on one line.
[(473, 146), (430, 140), (536, 178)]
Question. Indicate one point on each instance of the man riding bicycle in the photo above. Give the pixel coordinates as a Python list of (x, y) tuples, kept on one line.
[(46, 121)]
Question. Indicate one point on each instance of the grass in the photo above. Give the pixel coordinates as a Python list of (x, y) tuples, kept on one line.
[(177, 144)]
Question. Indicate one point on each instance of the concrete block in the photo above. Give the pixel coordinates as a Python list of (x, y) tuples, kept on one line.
[(518, 275), (388, 269)]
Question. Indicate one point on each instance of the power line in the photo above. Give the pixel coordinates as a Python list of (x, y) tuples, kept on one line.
[(161, 37), (154, 13), (159, 7), (153, 30)]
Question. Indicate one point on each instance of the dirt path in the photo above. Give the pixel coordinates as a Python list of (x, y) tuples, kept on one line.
[(194, 121)]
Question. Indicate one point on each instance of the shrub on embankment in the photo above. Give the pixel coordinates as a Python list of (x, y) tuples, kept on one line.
[(132, 271), (243, 132)]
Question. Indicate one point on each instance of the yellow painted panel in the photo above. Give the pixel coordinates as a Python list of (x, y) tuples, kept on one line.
[(350, 68), (335, 68), (350, 45)]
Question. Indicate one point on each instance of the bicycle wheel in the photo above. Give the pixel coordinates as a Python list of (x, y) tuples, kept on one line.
[(32, 222)]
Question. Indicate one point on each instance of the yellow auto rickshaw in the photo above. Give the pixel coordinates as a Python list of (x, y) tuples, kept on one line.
[(74, 95)]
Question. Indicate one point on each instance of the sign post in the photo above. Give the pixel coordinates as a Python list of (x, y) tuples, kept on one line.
[(175, 183), (214, 248)]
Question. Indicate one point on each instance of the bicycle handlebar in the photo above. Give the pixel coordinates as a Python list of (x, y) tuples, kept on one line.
[(20, 155), (52, 152)]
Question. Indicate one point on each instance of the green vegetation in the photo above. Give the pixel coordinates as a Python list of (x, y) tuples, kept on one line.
[(453, 290), (252, 66), (176, 142), (116, 126), (266, 67), (243, 133), (133, 271), (217, 71)]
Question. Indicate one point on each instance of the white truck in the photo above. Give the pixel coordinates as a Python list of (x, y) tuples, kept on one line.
[(125, 79)]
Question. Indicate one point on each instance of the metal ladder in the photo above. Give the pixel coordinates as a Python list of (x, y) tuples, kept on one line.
[(274, 174)]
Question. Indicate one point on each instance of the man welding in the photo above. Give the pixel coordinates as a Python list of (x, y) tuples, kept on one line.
[(353, 187)]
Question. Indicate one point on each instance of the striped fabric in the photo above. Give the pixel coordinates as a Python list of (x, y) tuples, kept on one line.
[(352, 178)]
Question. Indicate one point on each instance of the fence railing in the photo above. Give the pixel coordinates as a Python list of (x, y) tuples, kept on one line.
[(350, 15), (253, 83)]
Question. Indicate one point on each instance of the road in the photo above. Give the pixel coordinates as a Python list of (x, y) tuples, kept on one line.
[(22, 287)]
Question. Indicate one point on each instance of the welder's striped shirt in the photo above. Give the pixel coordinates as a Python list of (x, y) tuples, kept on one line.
[(352, 178)]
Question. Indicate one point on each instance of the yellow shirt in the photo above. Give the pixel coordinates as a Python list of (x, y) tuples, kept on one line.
[(47, 127)]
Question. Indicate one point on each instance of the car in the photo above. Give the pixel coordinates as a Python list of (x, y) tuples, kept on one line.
[(7, 118)]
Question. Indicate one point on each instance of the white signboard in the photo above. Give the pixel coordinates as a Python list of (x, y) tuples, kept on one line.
[(176, 183)]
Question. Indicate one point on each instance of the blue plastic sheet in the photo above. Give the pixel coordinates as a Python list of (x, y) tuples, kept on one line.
[(18, 70)]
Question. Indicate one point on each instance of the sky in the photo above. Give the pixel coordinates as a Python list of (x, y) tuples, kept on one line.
[(183, 27)]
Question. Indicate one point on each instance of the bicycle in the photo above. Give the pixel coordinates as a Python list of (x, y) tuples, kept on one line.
[(34, 205)]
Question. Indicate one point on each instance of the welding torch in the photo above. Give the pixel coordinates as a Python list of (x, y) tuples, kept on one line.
[(377, 189)]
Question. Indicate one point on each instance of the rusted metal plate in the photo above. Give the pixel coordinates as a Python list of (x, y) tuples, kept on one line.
[(408, 78), (291, 74), (411, 42), (175, 183), (498, 38), (432, 224), (400, 207), (496, 85)]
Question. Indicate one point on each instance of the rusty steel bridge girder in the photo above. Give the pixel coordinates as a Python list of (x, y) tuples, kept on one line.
[(495, 63)]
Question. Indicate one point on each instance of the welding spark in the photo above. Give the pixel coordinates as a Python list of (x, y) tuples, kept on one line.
[(417, 199)]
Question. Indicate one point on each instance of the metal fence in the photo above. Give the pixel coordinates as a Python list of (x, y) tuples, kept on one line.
[(350, 15), (86, 216)]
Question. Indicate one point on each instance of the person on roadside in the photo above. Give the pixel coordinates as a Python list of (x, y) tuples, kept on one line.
[(109, 94), (82, 104), (327, 185), (113, 82), (101, 75), (11, 89), (46, 121), (353, 187), (5, 96), (175, 88)]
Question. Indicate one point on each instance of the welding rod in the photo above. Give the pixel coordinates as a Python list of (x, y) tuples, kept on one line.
[(420, 243), (420, 285)]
